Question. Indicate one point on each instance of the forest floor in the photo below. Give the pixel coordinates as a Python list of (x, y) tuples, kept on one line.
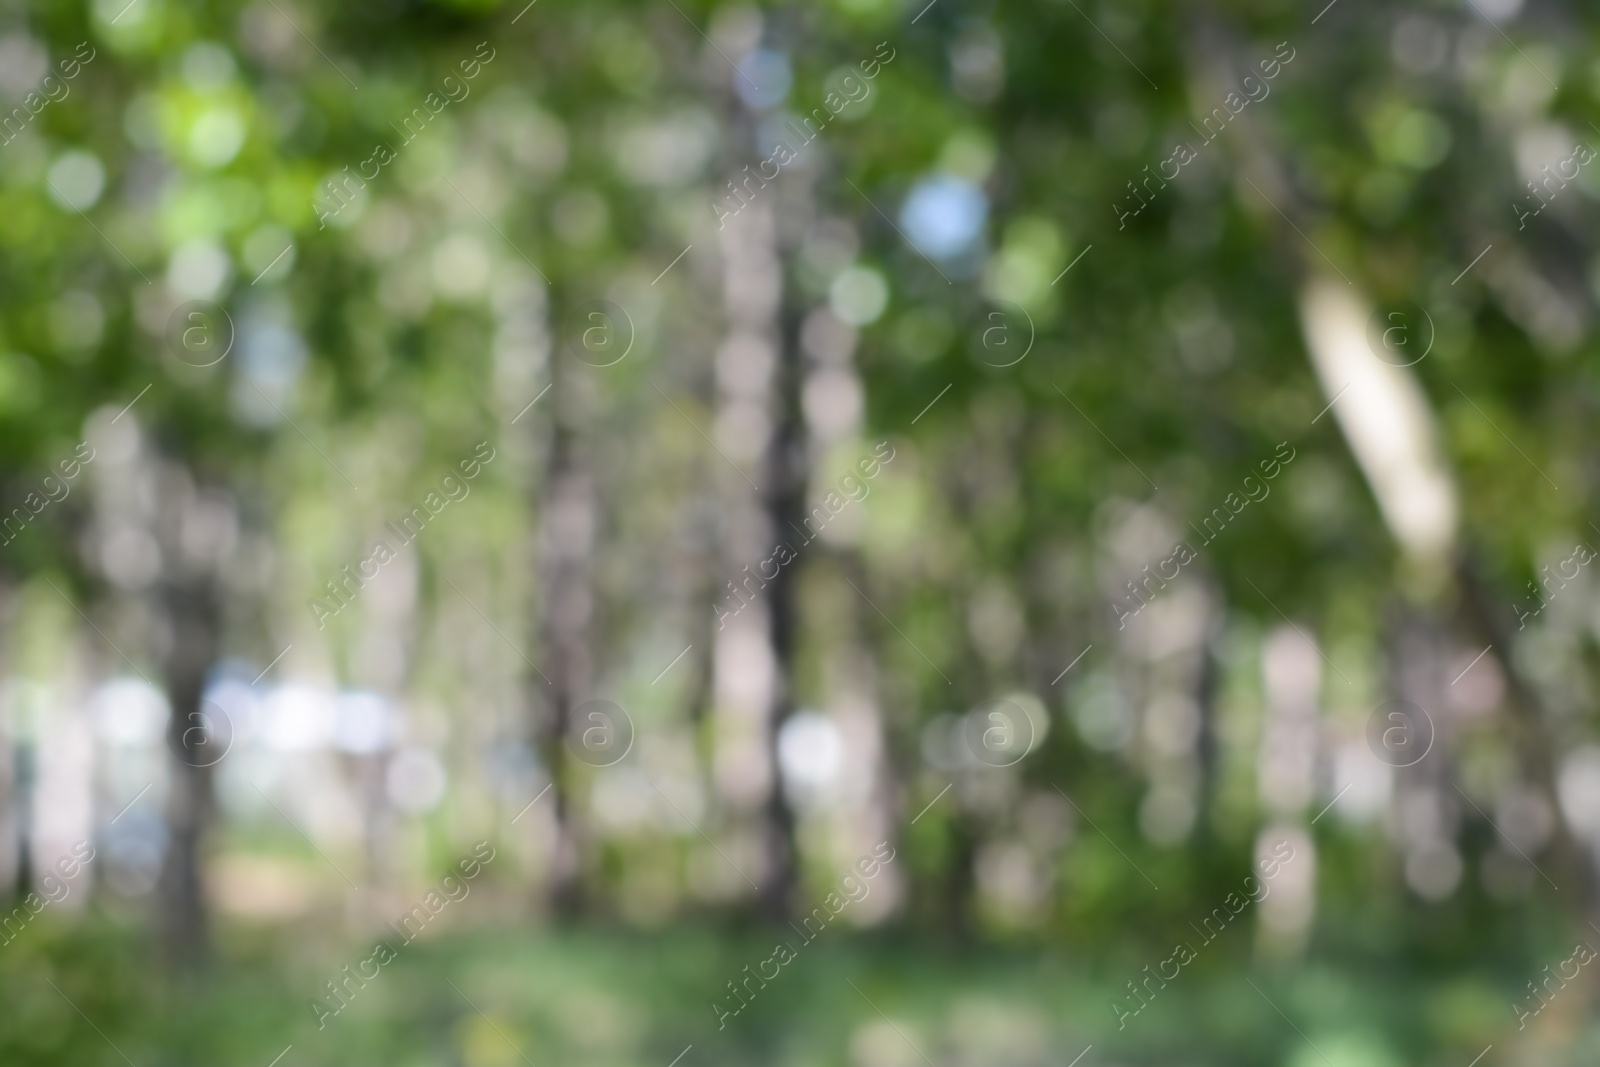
[(608, 998)]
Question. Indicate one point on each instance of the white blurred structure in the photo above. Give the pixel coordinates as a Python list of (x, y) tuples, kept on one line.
[(1386, 420)]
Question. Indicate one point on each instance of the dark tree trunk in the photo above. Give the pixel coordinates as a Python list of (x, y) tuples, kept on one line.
[(566, 524), (1535, 747), (196, 528), (762, 311), (786, 472), (1208, 676), (196, 737), (13, 801)]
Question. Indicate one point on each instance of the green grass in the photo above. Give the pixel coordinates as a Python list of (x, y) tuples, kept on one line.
[(616, 999)]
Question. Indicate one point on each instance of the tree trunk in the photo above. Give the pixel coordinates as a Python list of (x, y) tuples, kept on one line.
[(784, 486), (565, 546), (1535, 747), (12, 798), (195, 736), (196, 529)]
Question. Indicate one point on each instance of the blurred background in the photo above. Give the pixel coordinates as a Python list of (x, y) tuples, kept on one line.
[(858, 532)]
